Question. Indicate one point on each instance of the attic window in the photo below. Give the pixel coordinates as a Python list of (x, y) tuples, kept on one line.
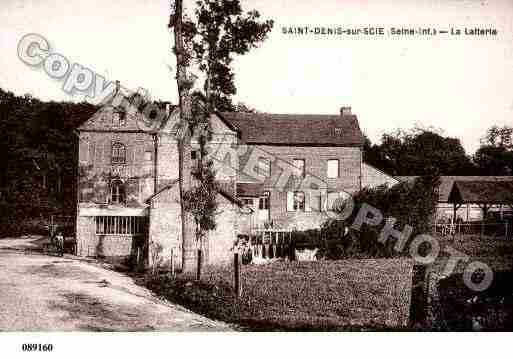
[(338, 131), (118, 119)]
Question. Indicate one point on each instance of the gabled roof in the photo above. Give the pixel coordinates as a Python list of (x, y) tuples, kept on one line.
[(222, 191), (101, 120), (163, 189), (250, 189), (483, 192), (292, 129), (447, 182), (367, 168), (256, 128)]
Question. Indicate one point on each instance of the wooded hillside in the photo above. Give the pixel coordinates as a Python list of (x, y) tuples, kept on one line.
[(38, 149)]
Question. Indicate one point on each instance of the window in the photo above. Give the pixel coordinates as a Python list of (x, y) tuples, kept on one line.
[(264, 167), (117, 192), (120, 225), (147, 156), (247, 201), (299, 165), (118, 119), (299, 201), (118, 153), (295, 201), (263, 202), (333, 170), (83, 151), (194, 155)]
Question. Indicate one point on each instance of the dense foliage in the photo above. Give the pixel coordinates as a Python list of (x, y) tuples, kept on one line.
[(219, 31), (409, 203), (495, 156), (415, 152), (37, 157)]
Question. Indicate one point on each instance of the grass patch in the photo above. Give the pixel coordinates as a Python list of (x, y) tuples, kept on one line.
[(464, 310), (475, 246), (323, 295)]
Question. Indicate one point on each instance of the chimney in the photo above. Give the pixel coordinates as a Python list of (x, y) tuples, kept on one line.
[(345, 111), (118, 85)]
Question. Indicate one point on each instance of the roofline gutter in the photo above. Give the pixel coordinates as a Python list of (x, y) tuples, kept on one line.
[(251, 143)]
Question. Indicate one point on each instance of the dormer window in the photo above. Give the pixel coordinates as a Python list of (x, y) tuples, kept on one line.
[(118, 153), (118, 119)]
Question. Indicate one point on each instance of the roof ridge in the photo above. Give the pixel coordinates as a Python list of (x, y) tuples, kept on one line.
[(286, 114)]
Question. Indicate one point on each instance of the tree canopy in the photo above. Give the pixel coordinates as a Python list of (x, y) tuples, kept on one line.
[(219, 31), (495, 156), (418, 152), (38, 150)]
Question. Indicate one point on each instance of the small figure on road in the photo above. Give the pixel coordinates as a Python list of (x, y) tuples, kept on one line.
[(59, 242)]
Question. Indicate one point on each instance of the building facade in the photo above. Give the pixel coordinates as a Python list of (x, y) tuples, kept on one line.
[(284, 171)]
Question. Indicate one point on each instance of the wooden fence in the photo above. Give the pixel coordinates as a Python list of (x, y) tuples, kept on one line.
[(268, 244), (501, 230)]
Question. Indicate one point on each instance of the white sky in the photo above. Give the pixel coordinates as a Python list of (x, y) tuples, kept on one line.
[(460, 84)]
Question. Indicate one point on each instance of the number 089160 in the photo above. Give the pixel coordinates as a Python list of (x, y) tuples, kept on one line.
[(37, 347)]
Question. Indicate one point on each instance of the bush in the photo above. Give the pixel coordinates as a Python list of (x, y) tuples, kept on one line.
[(410, 203)]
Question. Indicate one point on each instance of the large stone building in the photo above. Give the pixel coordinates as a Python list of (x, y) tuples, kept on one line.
[(279, 170)]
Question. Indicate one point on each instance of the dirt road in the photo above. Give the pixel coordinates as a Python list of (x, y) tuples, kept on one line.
[(43, 293)]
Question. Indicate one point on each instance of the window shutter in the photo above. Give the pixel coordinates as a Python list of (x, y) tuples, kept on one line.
[(322, 201), (308, 199), (290, 201), (84, 151), (316, 201)]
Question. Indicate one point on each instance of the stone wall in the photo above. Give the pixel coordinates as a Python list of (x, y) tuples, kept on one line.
[(96, 168), (166, 229), (221, 241), (89, 244), (166, 226), (316, 159)]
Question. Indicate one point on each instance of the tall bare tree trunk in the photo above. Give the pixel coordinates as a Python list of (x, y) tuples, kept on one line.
[(184, 145)]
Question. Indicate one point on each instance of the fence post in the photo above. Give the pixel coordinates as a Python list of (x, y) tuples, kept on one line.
[(198, 267), (172, 264), (236, 274)]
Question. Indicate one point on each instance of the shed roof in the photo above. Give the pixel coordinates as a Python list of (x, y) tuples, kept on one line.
[(447, 182), (483, 192)]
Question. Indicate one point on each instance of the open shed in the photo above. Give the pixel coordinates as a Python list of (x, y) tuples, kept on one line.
[(485, 194)]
